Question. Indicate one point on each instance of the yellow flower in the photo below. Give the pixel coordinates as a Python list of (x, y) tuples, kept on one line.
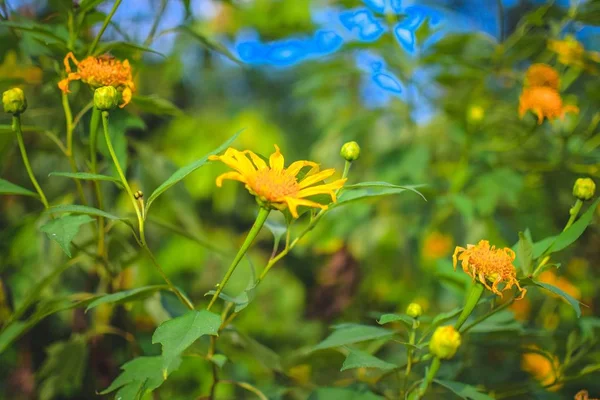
[(542, 369), (276, 186), (100, 71), (569, 51), (544, 102), (444, 342), (437, 245), (542, 75), (489, 264)]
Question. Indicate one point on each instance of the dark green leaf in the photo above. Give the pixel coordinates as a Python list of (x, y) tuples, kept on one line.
[(367, 190), (126, 296), (64, 229), (573, 302), (10, 333), (156, 105), (177, 334), (463, 390), (540, 247), (10, 188), (86, 176), (142, 374), (387, 318), (342, 394), (181, 173), (63, 369), (77, 209), (352, 333), (574, 231), (525, 254), (360, 359)]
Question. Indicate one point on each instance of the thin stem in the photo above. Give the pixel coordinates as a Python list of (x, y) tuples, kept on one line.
[(486, 316), (248, 387), (69, 150), (470, 302), (431, 373), (16, 126), (162, 273), (263, 213), (94, 123), (103, 28), (574, 212)]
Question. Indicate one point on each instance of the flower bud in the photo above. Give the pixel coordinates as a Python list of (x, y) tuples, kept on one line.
[(14, 101), (475, 114), (106, 98), (584, 189), (350, 151), (444, 342), (414, 310)]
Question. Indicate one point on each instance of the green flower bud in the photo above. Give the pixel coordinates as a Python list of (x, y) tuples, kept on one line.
[(350, 151), (584, 189), (475, 114), (106, 98), (444, 342), (14, 101), (414, 310)]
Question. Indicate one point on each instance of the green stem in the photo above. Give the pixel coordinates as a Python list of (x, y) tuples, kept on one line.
[(486, 316), (69, 151), (574, 211), (263, 213), (409, 349), (470, 302), (113, 155), (16, 126), (172, 287), (431, 373), (103, 28), (94, 123)]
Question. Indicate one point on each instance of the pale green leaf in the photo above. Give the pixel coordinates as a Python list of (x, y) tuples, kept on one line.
[(78, 209), (126, 296), (352, 333), (387, 318), (365, 190), (156, 105), (360, 359), (64, 229), (570, 235), (573, 302), (142, 374), (86, 176), (463, 390), (342, 394), (7, 187), (524, 254)]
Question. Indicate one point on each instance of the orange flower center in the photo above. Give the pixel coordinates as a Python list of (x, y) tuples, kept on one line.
[(273, 185), (492, 262)]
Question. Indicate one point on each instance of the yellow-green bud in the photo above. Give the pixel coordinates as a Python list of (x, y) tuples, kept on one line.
[(475, 114), (14, 101), (444, 342), (350, 151), (584, 189), (414, 310), (106, 98)]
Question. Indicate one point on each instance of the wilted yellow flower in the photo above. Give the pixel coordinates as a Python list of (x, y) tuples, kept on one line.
[(560, 282), (569, 51), (437, 245), (544, 102), (276, 186), (100, 71), (542, 369), (444, 342), (489, 264), (542, 75)]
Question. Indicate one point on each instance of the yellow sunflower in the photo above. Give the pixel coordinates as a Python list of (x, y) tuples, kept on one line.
[(276, 186), (487, 263)]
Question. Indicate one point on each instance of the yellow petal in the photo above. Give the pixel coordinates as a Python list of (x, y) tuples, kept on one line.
[(258, 162), (318, 177), (293, 204), (236, 176), (276, 160), (296, 166)]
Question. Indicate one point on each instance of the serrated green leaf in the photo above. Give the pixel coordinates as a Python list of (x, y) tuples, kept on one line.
[(126, 296), (570, 235), (365, 190), (342, 394), (86, 176), (63, 369), (573, 302), (463, 390), (360, 359), (241, 301), (156, 105), (525, 254), (181, 173), (177, 334), (142, 374), (352, 333), (64, 229), (7, 187), (387, 318)]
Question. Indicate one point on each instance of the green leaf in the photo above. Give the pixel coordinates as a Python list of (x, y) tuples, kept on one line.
[(503, 321), (352, 333), (7, 187), (540, 247), (156, 105), (525, 254), (360, 359), (125, 47), (342, 394), (141, 375), (573, 302), (260, 352), (88, 5), (463, 390), (181, 173), (241, 301), (219, 360), (126, 296), (64, 229), (77, 209), (177, 334), (567, 237), (277, 228), (367, 190), (11, 333), (387, 318), (86, 176), (41, 31), (63, 370), (210, 44)]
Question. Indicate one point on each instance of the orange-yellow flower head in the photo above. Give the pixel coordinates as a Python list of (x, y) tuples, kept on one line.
[(542, 75), (487, 263), (437, 245), (544, 102), (276, 186), (100, 71), (542, 369)]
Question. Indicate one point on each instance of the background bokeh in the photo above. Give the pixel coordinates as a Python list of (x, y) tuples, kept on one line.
[(429, 89)]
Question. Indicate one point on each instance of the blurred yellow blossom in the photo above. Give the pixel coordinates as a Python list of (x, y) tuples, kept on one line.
[(276, 186), (487, 263), (521, 309), (544, 102), (437, 245), (542, 369), (569, 51), (11, 69), (444, 342), (542, 75), (560, 282)]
